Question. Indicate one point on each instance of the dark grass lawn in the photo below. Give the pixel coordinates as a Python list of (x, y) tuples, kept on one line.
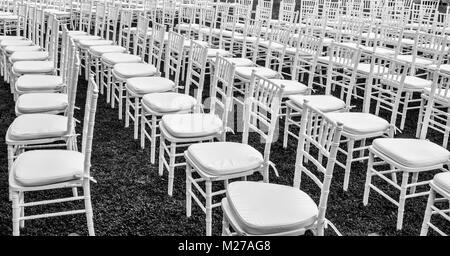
[(130, 197)]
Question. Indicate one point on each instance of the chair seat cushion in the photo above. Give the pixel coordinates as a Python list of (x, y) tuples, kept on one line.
[(39, 83), (128, 70), (98, 50), (417, 60), (290, 86), (407, 41), (273, 45), (11, 38), (31, 56), (187, 43), (246, 72), (5, 43), (76, 33), (25, 67), (213, 52), (365, 68), (41, 102), (192, 125), (250, 39), (325, 103), (78, 37), (442, 180), (89, 43), (31, 48), (265, 208), (115, 58), (224, 158), (238, 62), (144, 85), (37, 126), (378, 50), (167, 102), (412, 153), (45, 167), (414, 82), (357, 123)]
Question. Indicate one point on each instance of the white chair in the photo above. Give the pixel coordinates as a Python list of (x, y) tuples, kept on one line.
[(410, 157), (265, 209), (137, 87), (222, 161), (440, 185), (182, 130), (156, 105), (41, 170)]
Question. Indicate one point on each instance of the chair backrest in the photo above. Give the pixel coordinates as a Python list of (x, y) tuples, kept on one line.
[(112, 19), (388, 36), (342, 70), (386, 84), (222, 90), (72, 82), (88, 124), (430, 46), (100, 20), (252, 30), (141, 37), (261, 112), (208, 21), (40, 29), (22, 21), (311, 46), (156, 48), (126, 19), (85, 16), (186, 17), (196, 70), (438, 97), (264, 10), (174, 57), (319, 139)]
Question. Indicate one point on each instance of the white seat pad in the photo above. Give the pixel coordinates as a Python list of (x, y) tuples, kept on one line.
[(89, 43), (101, 49), (357, 123), (31, 56), (115, 58), (11, 38), (290, 86), (31, 48), (365, 68), (33, 67), (407, 41), (223, 158), (412, 153), (273, 45), (79, 37), (15, 43), (192, 125), (378, 50), (169, 102), (246, 72), (41, 102), (144, 85), (128, 70), (442, 180), (37, 126), (417, 60), (238, 62), (76, 33), (44, 167), (265, 208), (39, 82), (212, 53), (250, 39), (325, 103)]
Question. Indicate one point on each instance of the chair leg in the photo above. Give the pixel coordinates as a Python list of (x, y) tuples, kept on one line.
[(208, 207), (173, 149), (108, 86), (136, 117), (415, 178), (188, 190), (120, 98), (401, 205), (153, 140), (286, 127), (348, 166), (225, 226), (143, 130), (22, 209), (419, 123), (127, 109), (428, 213), (162, 160), (405, 111), (15, 213), (88, 207), (368, 179)]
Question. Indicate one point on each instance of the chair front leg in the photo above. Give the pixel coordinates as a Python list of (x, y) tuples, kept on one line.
[(15, 213), (402, 200), (428, 213)]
